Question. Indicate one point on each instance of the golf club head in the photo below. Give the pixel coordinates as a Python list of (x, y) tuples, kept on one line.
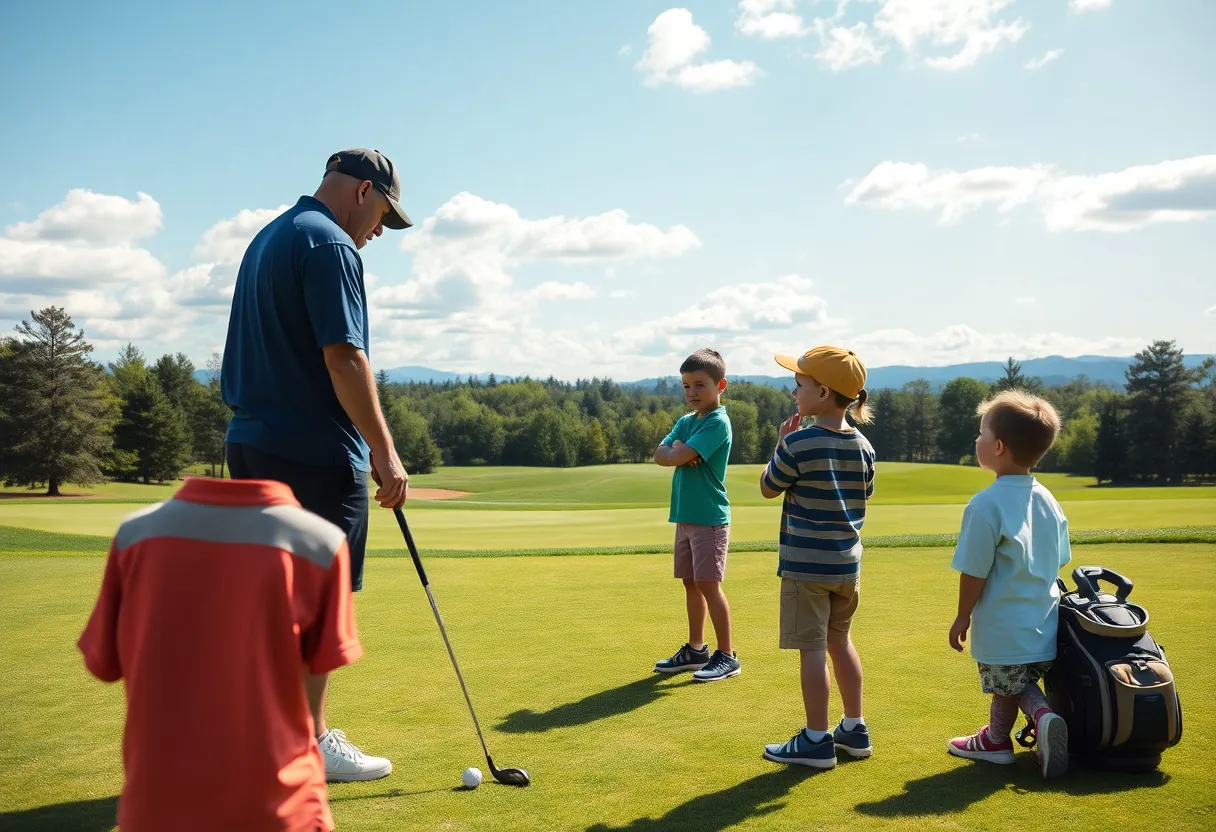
[(509, 776)]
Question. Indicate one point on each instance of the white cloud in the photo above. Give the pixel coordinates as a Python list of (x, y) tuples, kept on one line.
[(1181, 190), (1043, 60), (80, 254), (738, 311), (675, 42), (97, 219), (942, 34), (1025, 301), (899, 185), (555, 290), (226, 241), (82, 242), (962, 344), (770, 19), (1089, 5), (973, 27), (970, 138), (465, 253), (625, 51), (1211, 312), (847, 48)]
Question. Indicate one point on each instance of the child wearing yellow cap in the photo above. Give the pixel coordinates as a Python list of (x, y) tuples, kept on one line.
[(826, 473)]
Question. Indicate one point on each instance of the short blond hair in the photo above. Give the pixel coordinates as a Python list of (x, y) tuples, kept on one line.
[(1028, 425)]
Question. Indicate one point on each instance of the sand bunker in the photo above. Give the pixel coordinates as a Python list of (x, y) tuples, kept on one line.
[(435, 494)]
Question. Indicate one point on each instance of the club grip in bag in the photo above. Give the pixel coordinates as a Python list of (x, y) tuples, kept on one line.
[(409, 542), (1086, 578)]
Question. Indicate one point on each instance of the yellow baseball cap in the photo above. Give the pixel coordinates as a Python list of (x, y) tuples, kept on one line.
[(836, 368)]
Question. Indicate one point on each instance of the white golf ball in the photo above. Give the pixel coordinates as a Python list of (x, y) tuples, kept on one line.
[(471, 777)]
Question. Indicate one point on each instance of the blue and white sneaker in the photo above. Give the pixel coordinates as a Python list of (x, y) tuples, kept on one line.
[(802, 750), (855, 743), (686, 658), (721, 666)]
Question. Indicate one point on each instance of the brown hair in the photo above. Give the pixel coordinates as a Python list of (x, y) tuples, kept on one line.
[(1028, 425), (705, 361)]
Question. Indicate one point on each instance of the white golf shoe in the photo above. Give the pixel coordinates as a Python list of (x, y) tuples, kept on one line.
[(345, 762)]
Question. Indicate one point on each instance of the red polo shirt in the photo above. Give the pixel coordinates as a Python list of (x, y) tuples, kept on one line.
[(213, 605)]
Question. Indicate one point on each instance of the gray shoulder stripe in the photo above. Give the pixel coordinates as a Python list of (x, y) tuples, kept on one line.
[(289, 528)]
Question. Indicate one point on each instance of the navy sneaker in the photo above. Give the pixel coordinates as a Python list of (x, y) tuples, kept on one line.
[(802, 750), (686, 658), (855, 743), (721, 666)]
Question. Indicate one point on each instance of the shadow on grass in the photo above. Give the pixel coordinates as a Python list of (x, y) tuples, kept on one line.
[(957, 789), (99, 815), (605, 703), (391, 793), (720, 810)]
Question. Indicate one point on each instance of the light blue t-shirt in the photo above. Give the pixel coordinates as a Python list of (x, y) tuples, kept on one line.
[(1015, 535)]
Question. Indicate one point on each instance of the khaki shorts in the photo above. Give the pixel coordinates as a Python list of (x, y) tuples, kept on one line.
[(700, 552), (814, 615)]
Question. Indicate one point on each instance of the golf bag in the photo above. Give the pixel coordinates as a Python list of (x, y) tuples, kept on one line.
[(1111, 682)]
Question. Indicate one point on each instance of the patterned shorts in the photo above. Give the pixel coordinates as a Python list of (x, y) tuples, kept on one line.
[(1011, 679)]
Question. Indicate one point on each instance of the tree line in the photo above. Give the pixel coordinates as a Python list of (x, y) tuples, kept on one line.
[(65, 418)]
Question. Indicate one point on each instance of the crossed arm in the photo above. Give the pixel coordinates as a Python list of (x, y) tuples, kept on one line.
[(676, 454)]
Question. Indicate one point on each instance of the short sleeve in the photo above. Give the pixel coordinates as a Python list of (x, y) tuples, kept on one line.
[(976, 548), (333, 639), (709, 438), (1065, 543), (99, 641), (674, 433), (334, 295), (782, 470)]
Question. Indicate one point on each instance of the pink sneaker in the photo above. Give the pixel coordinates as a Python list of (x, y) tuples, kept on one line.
[(981, 746)]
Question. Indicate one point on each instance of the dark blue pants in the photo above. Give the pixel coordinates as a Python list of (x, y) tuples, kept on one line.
[(338, 493)]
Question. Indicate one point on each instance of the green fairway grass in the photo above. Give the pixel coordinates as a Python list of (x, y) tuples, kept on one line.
[(558, 655), (573, 527), (643, 486)]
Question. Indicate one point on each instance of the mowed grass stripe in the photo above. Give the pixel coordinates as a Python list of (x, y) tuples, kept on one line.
[(635, 529), (648, 485), (22, 542)]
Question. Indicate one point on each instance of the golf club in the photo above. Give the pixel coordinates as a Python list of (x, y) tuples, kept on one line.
[(506, 776)]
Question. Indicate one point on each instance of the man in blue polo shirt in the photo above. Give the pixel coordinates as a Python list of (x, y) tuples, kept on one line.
[(297, 378)]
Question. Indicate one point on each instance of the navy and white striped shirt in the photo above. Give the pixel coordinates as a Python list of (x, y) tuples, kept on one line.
[(827, 477)]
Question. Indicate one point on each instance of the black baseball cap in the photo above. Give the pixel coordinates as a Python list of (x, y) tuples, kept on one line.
[(373, 166)]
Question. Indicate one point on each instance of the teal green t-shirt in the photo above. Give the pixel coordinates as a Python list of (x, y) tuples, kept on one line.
[(698, 492)]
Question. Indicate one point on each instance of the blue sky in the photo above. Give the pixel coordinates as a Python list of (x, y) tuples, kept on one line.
[(601, 188)]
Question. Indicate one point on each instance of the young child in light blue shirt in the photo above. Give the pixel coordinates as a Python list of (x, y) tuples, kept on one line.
[(1013, 542)]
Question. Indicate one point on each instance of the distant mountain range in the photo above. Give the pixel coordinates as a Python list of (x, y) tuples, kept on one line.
[(1052, 370)]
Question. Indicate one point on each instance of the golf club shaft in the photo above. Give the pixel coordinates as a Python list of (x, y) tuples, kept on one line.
[(409, 542), (456, 666)]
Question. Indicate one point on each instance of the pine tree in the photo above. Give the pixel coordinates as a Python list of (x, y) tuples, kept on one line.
[(1110, 463), (151, 438), (128, 371), (1159, 388), (1014, 380), (959, 422), (382, 386), (58, 408)]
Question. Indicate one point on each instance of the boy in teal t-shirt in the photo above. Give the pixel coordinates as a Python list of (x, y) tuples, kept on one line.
[(698, 447), (1013, 541)]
